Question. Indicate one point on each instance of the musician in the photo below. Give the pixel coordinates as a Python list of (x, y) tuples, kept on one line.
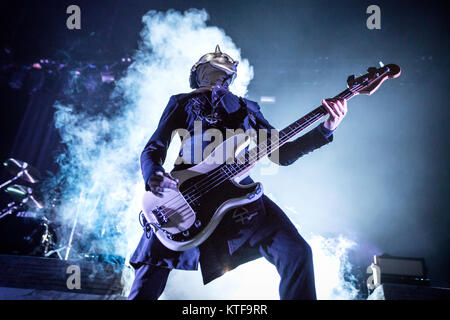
[(257, 229)]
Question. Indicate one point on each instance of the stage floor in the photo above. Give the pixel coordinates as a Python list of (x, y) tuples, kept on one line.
[(37, 278)]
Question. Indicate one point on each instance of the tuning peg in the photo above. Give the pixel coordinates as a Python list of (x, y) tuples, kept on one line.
[(381, 64), (350, 81)]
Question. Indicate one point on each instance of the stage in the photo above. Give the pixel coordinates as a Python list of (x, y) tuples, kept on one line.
[(100, 100)]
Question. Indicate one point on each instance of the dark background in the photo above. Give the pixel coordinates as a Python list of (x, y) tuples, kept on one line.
[(301, 51)]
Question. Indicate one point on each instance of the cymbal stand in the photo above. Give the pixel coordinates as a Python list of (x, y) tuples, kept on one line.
[(7, 183)]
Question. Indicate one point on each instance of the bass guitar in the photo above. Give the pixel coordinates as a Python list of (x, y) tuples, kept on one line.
[(186, 217)]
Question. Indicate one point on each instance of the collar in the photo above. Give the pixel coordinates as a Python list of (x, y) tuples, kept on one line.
[(220, 97)]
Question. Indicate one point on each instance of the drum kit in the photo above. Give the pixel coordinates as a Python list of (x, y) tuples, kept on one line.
[(24, 229)]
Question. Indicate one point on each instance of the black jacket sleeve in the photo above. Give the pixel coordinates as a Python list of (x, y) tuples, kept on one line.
[(155, 151)]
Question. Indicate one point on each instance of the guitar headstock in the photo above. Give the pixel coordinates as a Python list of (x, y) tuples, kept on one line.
[(372, 80)]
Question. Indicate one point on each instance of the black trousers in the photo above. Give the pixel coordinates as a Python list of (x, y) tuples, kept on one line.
[(285, 248)]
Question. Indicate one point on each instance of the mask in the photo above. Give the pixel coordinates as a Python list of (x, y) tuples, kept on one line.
[(208, 76), (213, 67)]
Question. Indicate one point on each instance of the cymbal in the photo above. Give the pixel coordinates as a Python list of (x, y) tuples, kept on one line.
[(18, 192), (23, 194), (22, 169)]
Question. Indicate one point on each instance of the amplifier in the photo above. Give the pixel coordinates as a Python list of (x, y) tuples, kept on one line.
[(402, 270)]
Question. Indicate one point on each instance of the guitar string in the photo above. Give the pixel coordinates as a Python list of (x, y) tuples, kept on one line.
[(223, 176), (186, 200), (196, 193), (297, 126), (220, 170), (346, 94), (236, 168), (234, 171)]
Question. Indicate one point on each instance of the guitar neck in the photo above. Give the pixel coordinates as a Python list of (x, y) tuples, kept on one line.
[(303, 123), (250, 157)]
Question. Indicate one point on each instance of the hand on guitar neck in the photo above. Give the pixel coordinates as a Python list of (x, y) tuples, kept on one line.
[(337, 109)]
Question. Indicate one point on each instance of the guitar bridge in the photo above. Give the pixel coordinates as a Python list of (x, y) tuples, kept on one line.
[(160, 216)]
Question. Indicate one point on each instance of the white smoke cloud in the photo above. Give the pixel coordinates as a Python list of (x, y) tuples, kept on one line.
[(331, 265), (101, 166)]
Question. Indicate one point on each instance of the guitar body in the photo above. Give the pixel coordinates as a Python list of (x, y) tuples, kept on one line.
[(182, 222)]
